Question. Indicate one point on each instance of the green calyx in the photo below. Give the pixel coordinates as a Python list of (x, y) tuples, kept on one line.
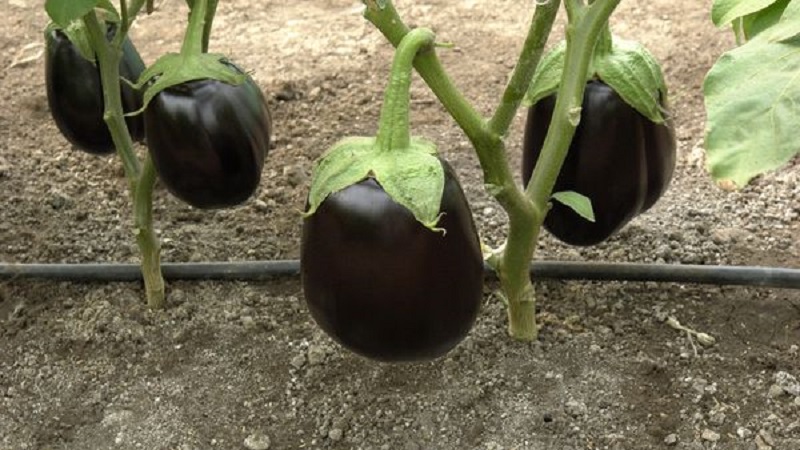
[(407, 168), (192, 63), (626, 66)]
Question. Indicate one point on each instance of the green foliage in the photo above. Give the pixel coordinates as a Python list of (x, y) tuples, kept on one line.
[(752, 97), (626, 66), (176, 68), (724, 12), (577, 202), (63, 12), (755, 23), (412, 177)]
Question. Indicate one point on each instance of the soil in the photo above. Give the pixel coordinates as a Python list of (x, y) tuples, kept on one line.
[(233, 365)]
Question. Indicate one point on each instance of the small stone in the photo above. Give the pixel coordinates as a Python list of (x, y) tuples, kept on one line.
[(257, 441), (717, 418), (261, 205), (788, 383), (316, 355), (710, 435), (744, 433), (298, 361), (248, 322), (336, 434), (575, 408), (775, 391), (671, 439), (295, 175), (761, 444)]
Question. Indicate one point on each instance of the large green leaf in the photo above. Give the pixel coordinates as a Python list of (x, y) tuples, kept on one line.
[(723, 12), (755, 23), (62, 12), (788, 25), (752, 97)]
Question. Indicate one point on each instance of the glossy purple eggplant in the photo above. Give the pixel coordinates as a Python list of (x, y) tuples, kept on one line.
[(75, 93), (618, 158), (384, 285), (208, 140)]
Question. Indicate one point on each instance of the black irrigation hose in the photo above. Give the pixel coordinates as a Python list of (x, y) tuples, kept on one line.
[(558, 270)]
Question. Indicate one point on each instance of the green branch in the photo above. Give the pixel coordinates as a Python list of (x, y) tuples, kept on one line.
[(532, 50), (582, 36), (108, 59)]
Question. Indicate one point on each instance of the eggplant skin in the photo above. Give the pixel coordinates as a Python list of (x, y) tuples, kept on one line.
[(382, 284), (208, 140), (75, 93), (618, 158)]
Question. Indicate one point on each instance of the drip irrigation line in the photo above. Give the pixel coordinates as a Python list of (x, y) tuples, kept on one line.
[(554, 270)]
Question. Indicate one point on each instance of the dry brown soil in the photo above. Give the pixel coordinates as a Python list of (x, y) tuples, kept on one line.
[(236, 365)]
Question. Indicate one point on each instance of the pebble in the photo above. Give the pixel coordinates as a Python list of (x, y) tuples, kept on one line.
[(775, 391), (248, 322), (710, 435), (575, 408), (671, 439), (257, 441), (788, 383), (316, 355), (298, 361), (336, 434), (717, 418)]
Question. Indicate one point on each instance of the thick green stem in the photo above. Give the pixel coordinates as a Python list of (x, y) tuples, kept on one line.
[(193, 39), (140, 181), (489, 146), (393, 129), (526, 210), (108, 59), (146, 237), (532, 51)]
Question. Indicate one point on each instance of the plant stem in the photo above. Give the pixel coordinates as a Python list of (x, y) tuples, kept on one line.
[(140, 181), (531, 53), (193, 39), (393, 129), (582, 36), (146, 236), (489, 146), (108, 59), (526, 210), (210, 12)]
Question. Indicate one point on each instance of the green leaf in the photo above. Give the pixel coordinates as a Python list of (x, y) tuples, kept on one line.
[(723, 12), (757, 22), (577, 202), (412, 177), (788, 26), (63, 12), (176, 68), (113, 15), (547, 77), (752, 97), (633, 73)]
